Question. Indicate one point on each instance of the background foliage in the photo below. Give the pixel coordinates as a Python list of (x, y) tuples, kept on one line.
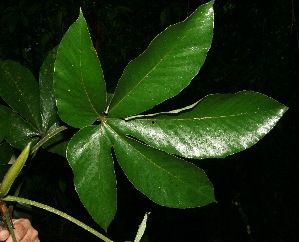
[(255, 47)]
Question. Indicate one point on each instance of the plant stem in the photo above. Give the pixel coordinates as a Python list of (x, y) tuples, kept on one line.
[(10, 226), (47, 137), (57, 212), (7, 220)]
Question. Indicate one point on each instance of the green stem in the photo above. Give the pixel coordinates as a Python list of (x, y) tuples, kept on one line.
[(10, 226), (47, 137), (57, 212)]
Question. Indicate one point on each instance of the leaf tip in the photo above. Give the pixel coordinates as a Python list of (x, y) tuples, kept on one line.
[(81, 15)]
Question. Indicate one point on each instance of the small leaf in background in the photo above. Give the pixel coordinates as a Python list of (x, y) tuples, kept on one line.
[(33, 110), (79, 83), (165, 179), (217, 126), (48, 104), (34, 113), (50, 118), (168, 65), (19, 90), (89, 155)]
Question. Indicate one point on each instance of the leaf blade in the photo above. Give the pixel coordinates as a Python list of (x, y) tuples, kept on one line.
[(217, 126), (165, 179), (47, 100), (89, 155), (172, 59), (20, 91), (21, 132), (78, 78), (15, 130)]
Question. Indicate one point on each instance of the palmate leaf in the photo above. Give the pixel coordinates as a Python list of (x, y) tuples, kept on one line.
[(165, 179), (216, 126), (78, 78), (33, 112), (167, 66)]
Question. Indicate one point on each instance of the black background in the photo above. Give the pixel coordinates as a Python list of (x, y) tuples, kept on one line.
[(255, 47)]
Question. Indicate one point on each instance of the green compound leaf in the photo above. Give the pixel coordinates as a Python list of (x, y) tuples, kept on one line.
[(165, 179), (168, 65), (89, 155), (19, 90), (78, 78), (216, 126), (145, 145)]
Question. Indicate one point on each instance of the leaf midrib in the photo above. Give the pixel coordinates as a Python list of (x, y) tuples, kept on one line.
[(82, 78)]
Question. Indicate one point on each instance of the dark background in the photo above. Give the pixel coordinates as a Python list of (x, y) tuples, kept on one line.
[(255, 47)]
